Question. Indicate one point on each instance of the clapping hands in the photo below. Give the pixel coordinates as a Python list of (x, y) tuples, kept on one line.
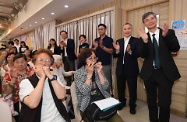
[(116, 46)]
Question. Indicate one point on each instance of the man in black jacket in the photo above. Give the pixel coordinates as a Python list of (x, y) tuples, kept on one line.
[(159, 70), (67, 48), (126, 50)]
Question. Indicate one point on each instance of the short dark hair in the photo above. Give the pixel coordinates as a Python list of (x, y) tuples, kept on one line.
[(147, 14), (13, 48), (19, 55), (11, 42), (84, 36), (64, 32), (9, 55), (102, 25), (83, 56), (33, 53), (2, 50), (16, 40)]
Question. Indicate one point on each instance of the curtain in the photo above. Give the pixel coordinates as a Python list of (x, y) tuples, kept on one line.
[(38, 37), (49, 31), (88, 27)]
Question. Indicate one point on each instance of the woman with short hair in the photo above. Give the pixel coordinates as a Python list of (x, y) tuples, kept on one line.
[(42, 93)]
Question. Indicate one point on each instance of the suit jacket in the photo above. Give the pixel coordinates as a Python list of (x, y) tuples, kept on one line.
[(167, 44), (130, 60), (70, 49), (56, 50)]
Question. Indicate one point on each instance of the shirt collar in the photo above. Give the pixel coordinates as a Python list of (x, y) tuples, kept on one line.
[(156, 32), (127, 38)]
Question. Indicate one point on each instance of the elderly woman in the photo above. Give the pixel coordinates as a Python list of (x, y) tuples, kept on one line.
[(59, 70), (87, 89), (42, 93), (12, 79)]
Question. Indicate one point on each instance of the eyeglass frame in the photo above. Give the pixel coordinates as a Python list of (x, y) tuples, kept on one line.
[(47, 61)]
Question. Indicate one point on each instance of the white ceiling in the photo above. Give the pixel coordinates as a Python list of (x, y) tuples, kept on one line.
[(57, 7)]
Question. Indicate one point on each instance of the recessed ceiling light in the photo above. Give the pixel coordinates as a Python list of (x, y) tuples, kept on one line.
[(36, 22), (43, 18), (66, 6), (30, 25), (52, 13)]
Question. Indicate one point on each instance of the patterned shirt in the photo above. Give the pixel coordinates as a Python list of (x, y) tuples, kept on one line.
[(7, 79), (83, 90)]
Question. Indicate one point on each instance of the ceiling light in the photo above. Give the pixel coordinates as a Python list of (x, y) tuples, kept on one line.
[(30, 25), (36, 22), (66, 6), (52, 13), (43, 18)]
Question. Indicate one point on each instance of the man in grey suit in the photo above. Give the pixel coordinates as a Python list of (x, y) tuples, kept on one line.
[(159, 70)]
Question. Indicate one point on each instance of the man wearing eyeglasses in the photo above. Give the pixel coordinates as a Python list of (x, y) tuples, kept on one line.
[(159, 70), (104, 48)]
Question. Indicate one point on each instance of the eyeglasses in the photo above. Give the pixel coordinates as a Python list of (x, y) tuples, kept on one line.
[(149, 19), (93, 58), (47, 61), (100, 29)]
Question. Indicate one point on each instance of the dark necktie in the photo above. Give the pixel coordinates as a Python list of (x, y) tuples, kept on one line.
[(156, 51), (124, 52)]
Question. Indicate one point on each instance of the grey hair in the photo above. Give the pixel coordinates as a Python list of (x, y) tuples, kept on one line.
[(57, 58), (147, 14)]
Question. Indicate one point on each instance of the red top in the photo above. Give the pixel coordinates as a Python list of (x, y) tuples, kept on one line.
[(7, 79)]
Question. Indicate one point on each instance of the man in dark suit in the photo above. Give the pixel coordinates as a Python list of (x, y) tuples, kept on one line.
[(159, 70), (127, 67), (68, 52)]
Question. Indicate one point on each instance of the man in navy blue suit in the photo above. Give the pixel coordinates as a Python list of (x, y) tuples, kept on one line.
[(159, 70), (127, 67)]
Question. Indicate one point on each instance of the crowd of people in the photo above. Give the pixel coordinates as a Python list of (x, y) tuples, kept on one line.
[(41, 79)]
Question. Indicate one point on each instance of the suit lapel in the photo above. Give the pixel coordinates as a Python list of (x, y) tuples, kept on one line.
[(122, 45)]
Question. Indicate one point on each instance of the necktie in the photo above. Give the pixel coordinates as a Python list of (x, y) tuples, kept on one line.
[(124, 52), (156, 51)]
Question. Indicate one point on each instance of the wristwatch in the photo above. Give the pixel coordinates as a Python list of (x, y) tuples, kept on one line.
[(90, 79), (54, 78)]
